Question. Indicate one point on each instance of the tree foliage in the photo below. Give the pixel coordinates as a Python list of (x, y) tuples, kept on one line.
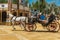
[(39, 5), (3, 1), (14, 1)]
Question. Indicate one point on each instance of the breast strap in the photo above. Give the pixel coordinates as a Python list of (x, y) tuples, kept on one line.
[(12, 18)]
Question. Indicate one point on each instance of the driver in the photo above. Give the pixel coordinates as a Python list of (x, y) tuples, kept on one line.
[(42, 18), (51, 18)]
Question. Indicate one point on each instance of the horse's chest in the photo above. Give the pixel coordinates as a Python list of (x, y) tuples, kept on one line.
[(20, 19)]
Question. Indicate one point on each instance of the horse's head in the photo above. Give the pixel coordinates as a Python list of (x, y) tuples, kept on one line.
[(9, 15)]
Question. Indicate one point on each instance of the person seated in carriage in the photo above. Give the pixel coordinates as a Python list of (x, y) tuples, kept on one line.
[(41, 17), (50, 19)]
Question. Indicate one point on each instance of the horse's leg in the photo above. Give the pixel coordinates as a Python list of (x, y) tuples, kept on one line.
[(13, 25), (20, 23), (23, 24)]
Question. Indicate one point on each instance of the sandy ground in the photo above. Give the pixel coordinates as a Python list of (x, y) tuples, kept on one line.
[(7, 33)]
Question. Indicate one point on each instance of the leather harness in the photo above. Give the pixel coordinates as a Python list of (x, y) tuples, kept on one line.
[(13, 17)]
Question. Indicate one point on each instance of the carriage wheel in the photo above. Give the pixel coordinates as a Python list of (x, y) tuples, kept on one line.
[(34, 27), (30, 27), (53, 27)]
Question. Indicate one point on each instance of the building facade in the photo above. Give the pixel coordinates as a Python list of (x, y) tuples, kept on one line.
[(9, 6)]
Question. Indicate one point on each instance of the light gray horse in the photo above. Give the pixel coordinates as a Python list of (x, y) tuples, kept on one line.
[(21, 19)]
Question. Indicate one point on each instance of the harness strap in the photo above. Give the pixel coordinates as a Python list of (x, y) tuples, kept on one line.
[(15, 18), (12, 18)]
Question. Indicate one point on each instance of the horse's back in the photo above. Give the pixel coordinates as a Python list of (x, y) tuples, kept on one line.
[(20, 18)]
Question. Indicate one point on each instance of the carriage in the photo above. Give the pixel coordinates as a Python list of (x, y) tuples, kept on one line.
[(53, 25)]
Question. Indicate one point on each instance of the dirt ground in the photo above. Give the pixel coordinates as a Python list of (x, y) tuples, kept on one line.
[(7, 33)]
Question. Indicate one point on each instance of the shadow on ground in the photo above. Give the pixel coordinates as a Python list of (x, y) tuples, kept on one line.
[(36, 31)]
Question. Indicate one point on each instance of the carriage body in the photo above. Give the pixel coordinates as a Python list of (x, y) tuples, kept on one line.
[(52, 25)]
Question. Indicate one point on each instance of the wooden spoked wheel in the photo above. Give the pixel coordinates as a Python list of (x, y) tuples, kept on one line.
[(53, 27), (30, 27)]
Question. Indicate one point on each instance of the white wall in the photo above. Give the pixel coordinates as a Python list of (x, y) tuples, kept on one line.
[(5, 5), (14, 6)]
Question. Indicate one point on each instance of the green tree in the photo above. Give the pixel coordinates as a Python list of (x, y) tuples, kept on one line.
[(14, 1), (26, 2), (42, 5), (3, 1), (39, 4)]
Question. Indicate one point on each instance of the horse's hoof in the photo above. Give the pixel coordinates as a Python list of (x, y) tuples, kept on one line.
[(24, 29), (14, 29)]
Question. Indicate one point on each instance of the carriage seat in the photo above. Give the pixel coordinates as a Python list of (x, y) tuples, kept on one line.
[(50, 19)]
